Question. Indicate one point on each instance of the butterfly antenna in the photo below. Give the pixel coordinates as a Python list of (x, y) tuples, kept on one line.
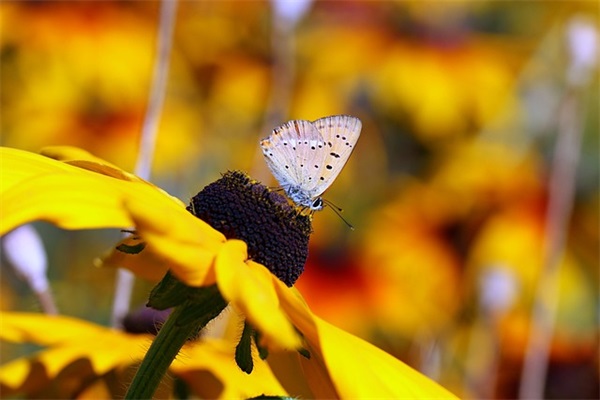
[(338, 211)]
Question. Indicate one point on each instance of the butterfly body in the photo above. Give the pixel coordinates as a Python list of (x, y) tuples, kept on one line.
[(303, 198), (305, 157)]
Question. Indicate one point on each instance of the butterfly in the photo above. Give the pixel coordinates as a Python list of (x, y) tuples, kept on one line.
[(305, 157)]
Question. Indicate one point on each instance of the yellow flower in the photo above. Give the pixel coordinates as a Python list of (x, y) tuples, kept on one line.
[(83, 192), (205, 365)]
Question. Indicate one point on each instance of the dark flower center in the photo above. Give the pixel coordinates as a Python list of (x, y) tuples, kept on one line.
[(276, 233)]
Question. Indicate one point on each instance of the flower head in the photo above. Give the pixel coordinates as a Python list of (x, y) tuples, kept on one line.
[(276, 233), (83, 192)]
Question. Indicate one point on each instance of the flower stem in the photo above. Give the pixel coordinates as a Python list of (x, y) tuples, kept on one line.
[(560, 204), (184, 322)]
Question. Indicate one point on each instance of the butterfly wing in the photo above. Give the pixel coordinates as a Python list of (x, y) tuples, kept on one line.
[(340, 134), (294, 154)]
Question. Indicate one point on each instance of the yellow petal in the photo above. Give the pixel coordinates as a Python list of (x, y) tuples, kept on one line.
[(317, 375), (357, 369), (207, 365), (69, 340), (71, 153), (68, 200), (18, 166), (14, 373), (249, 288), (294, 377), (85, 160), (96, 390), (217, 357), (33, 187), (33, 328), (187, 244), (39, 188), (360, 370)]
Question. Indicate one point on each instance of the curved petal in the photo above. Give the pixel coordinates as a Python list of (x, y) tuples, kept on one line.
[(68, 200), (18, 166), (206, 365), (85, 160), (69, 340), (347, 357), (216, 356), (248, 286), (187, 244), (33, 328), (39, 188), (356, 368)]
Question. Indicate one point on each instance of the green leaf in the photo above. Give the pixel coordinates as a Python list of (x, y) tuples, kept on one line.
[(243, 350)]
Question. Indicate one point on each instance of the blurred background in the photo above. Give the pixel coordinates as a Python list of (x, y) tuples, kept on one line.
[(463, 106)]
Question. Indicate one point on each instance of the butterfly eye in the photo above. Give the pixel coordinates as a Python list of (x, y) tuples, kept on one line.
[(317, 204)]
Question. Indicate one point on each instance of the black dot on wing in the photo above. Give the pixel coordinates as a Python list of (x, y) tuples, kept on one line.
[(343, 137), (270, 154), (328, 166), (336, 155), (293, 148), (337, 136), (301, 165), (321, 178), (316, 166), (287, 167), (329, 144), (312, 147)]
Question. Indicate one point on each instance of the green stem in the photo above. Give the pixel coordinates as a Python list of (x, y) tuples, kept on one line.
[(171, 337)]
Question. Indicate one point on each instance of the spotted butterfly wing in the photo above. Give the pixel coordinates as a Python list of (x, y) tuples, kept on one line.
[(305, 157), (340, 133), (291, 154)]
